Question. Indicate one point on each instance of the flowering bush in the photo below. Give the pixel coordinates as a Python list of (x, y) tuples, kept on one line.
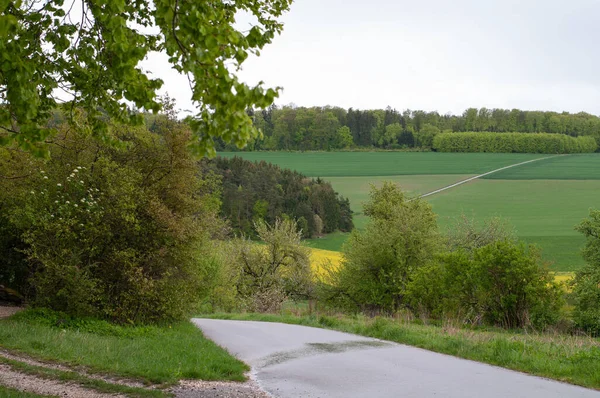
[(118, 233)]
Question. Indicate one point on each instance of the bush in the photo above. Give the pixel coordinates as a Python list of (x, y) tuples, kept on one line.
[(465, 233), (118, 232), (586, 285), (269, 274), (499, 284), (379, 261), (15, 169), (513, 143)]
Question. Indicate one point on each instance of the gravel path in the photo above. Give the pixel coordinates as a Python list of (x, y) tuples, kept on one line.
[(23, 382), (5, 312), (194, 389)]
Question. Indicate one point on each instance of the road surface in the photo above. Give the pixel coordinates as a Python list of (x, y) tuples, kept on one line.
[(300, 361)]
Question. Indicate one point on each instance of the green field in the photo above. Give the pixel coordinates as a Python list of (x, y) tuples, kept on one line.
[(571, 167), (357, 188), (543, 212), (543, 200), (354, 164)]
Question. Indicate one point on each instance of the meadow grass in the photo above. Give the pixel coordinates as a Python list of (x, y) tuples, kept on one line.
[(572, 167), (572, 359), (330, 242), (340, 164), (155, 355)]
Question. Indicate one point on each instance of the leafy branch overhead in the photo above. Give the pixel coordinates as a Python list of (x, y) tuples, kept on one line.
[(87, 53)]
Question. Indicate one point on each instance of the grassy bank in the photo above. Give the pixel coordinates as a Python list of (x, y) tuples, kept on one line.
[(156, 355), (572, 359)]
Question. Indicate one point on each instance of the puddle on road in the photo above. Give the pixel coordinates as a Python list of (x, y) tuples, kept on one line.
[(312, 349)]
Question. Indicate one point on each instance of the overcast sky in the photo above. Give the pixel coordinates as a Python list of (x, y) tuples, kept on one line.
[(431, 55)]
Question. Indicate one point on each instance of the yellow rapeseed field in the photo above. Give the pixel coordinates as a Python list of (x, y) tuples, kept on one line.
[(318, 257)]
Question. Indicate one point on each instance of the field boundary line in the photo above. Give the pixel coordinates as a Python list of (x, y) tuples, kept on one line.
[(483, 175)]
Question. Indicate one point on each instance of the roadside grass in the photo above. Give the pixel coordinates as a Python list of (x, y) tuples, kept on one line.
[(340, 164), (6, 392), (86, 382), (157, 355), (571, 359)]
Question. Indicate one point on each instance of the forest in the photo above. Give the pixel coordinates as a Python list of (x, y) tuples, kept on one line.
[(332, 128), (253, 191)]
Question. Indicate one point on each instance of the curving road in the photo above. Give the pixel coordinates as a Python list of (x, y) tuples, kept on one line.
[(300, 361)]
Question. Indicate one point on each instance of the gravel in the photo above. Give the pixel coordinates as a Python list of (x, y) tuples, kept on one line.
[(36, 385), (5, 312), (212, 389)]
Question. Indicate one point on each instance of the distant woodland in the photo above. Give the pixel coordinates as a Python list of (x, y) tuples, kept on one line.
[(261, 191), (332, 128)]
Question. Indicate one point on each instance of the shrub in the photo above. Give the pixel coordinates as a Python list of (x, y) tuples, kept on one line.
[(118, 232), (586, 285), (499, 284), (269, 274), (467, 235), (379, 261), (15, 169)]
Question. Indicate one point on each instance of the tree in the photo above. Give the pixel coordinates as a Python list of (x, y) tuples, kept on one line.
[(271, 273), (586, 286), (392, 132), (114, 232), (52, 56), (380, 260), (343, 138), (424, 138)]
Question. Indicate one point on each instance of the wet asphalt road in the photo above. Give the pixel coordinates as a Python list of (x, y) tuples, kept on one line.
[(299, 361)]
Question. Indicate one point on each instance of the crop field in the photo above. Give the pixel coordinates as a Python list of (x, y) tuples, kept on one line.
[(369, 164), (543, 200)]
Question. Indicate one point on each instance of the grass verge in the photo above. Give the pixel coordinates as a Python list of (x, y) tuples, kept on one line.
[(73, 377), (571, 359), (158, 355)]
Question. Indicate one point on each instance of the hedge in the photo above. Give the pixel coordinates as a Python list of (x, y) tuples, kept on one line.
[(513, 143)]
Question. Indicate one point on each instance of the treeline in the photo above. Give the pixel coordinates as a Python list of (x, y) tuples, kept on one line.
[(513, 143), (331, 128), (261, 191)]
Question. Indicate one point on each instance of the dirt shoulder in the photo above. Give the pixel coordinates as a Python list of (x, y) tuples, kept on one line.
[(5, 312)]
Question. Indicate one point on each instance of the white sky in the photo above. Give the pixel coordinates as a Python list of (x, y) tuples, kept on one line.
[(429, 54)]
